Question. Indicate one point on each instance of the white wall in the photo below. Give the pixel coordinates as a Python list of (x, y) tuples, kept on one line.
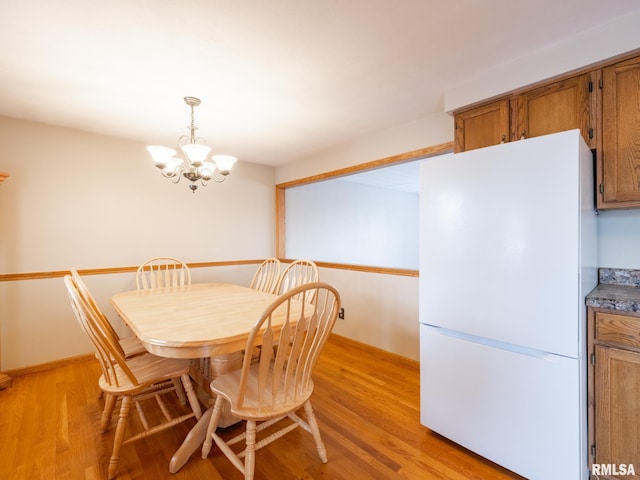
[(346, 222), (76, 199), (619, 239), (432, 130), (380, 310)]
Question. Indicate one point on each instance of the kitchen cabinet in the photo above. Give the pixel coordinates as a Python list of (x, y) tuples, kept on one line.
[(614, 389), (482, 126), (619, 164), (556, 107)]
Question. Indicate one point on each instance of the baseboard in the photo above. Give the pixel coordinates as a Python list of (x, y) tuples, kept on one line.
[(17, 372)]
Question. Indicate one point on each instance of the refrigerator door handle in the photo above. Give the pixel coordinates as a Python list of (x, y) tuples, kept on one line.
[(495, 343)]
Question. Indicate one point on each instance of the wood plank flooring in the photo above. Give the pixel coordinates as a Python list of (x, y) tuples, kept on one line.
[(366, 402)]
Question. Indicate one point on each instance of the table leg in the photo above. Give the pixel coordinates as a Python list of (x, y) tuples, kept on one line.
[(192, 442)]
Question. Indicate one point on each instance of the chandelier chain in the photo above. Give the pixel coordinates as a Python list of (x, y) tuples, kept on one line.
[(193, 128)]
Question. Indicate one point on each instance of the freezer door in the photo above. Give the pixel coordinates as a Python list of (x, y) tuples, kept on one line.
[(501, 242), (522, 411)]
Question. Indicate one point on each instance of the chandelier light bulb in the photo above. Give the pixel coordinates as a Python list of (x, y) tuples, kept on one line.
[(161, 155), (224, 163)]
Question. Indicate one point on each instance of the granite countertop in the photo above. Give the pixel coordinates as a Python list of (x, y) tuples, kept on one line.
[(618, 289)]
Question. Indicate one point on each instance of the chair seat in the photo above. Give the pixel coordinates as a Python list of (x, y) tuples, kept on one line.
[(148, 369), (251, 409), (132, 346)]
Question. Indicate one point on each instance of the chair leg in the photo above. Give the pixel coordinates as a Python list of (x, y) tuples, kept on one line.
[(213, 426), (315, 431), (109, 404), (179, 391), (250, 450), (125, 405), (191, 395)]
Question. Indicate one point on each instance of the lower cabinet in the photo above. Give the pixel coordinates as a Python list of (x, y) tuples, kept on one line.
[(614, 394)]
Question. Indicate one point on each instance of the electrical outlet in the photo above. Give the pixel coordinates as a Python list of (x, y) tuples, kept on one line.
[(341, 313)]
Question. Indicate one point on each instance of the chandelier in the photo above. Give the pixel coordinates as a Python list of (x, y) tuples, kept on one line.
[(196, 168)]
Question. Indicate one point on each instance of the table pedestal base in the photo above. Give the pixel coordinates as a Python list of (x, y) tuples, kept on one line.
[(192, 442), (203, 372)]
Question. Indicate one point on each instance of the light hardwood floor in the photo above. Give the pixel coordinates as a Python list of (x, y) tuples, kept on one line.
[(366, 402)]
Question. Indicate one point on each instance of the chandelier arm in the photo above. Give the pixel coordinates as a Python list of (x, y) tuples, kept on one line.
[(224, 177), (174, 176)]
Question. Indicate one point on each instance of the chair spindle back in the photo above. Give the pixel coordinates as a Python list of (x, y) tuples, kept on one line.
[(310, 313)]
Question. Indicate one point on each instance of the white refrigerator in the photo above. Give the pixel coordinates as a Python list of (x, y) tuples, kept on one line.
[(507, 255)]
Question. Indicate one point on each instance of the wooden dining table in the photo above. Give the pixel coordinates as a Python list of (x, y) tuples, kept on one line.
[(204, 320)]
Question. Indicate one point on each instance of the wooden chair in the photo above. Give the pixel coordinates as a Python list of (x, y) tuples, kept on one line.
[(267, 276), (132, 380), (130, 345), (297, 273), (280, 384), (162, 272)]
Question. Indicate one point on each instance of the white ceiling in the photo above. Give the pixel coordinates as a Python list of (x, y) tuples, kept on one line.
[(279, 79)]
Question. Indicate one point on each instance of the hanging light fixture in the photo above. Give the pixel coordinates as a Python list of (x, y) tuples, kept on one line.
[(196, 168)]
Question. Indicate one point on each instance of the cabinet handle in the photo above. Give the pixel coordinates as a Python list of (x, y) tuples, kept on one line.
[(524, 135), (503, 139)]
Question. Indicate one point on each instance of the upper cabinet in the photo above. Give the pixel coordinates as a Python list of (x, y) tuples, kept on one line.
[(603, 103), (482, 126), (559, 106), (619, 167), (556, 107)]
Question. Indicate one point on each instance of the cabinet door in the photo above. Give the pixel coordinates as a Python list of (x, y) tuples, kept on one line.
[(617, 408), (560, 106), (482, 126), (620, 168)]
